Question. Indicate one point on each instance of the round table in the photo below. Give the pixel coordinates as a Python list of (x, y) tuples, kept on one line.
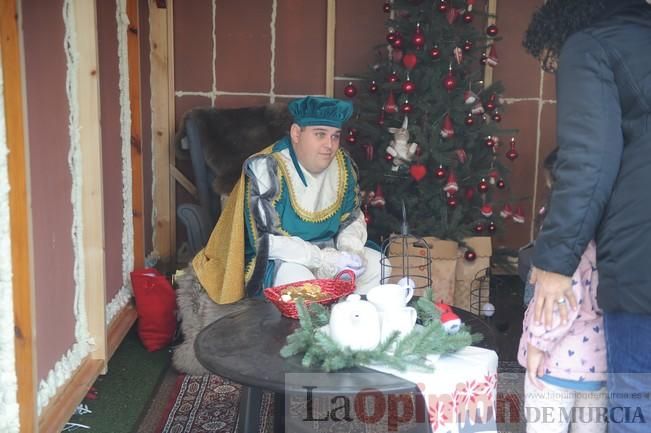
[(245, 347)]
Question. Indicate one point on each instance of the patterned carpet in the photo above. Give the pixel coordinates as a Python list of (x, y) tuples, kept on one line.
[(206, 404)]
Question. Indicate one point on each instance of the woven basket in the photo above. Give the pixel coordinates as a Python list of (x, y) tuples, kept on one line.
[(341, 285)]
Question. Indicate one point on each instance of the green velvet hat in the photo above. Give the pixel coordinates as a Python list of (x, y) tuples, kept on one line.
[(320, 111)]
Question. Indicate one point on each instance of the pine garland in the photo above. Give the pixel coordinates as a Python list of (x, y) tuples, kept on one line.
[(321, 351)]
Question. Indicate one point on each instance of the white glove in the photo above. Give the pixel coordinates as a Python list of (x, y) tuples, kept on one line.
[(334, 261)]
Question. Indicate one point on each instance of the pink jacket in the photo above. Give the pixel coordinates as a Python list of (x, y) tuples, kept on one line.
[(576, 350)]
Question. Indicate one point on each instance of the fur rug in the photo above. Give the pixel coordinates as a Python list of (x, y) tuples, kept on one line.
[(197, 311), (229, 135)]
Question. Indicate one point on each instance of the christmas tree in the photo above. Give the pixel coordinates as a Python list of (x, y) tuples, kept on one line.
[(426, 130)]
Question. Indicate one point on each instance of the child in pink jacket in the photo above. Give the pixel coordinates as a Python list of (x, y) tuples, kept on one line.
[(566, 365)]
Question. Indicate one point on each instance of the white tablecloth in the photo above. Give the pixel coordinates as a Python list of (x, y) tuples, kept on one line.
[(460, 392)]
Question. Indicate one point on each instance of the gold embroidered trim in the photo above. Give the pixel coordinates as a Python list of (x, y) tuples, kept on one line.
[(322, 215)]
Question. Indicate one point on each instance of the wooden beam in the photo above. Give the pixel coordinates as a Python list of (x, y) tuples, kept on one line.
[(330, 47), (20, 219), (133, 47), (120, 325), (184, 181), (162, 104), (492, 11), (91, 167), (63, 404)]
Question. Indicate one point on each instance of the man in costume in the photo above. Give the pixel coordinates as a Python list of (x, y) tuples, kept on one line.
[(294, 214)]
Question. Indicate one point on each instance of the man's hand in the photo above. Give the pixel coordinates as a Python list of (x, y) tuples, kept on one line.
[(535, 368), (552, 289), (347, 260)]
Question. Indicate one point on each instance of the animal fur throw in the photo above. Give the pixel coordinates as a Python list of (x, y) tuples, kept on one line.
[(229, 135)]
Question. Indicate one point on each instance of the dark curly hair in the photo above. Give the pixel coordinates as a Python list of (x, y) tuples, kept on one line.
[(554, 22)]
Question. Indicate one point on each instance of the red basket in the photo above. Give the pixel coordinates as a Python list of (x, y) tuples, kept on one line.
[(335, 287)]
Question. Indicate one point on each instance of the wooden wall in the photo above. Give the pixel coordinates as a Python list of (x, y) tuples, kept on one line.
[(276, 51)]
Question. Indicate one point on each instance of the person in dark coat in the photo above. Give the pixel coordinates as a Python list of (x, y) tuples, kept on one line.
[(601, 53)]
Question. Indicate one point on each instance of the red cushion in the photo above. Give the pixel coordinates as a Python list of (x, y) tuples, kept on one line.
[(156, 306)]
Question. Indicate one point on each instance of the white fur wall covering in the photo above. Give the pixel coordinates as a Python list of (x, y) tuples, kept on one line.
[(123, 296), (71, 360), (9, 421)]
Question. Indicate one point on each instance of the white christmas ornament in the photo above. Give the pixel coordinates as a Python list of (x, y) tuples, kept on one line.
[(407, 282), (488, 309)]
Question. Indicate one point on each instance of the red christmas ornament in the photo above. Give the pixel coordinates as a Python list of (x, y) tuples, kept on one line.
[(388, 157), (518, 215), (440, 172), (399, 42), (418, 39), (390, 106), (352, 136), (479, 228), (489, 142), (482, 186), (501, 184), (490, 104), (512, 154), (492, 59), (469, 193), (486, 210), (386, 7), (406, 107), (451, 15), (393, 77), (506, 211), (417, 172), (447, 130), (408, 86), (492, 30), (443, 6), (467, 17), (451, 186), (373, 87), (435, 52), (452, 200), (391, 36), (378, 199), (469, 121), (449, 82), (497, 117), (409, 61), (492, 227), (470, 255), (350, 90), (467, 46)]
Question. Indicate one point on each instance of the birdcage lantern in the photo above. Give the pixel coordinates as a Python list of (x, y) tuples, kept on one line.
[(406, 259), (479, 294)]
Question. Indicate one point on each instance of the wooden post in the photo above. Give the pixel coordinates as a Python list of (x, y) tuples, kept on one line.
[(133, 47), (330, 47), (492, 11), (90, 137), (162, 125), (21, 254)]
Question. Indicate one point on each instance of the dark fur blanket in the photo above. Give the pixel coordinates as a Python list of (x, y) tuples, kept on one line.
[(229, 135)]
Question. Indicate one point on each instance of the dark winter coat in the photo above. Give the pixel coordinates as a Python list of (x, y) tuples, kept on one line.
[(603, 174)]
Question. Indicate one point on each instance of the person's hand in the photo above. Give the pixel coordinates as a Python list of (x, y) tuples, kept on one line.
[(535, 368), (346, 260), (551, 289)]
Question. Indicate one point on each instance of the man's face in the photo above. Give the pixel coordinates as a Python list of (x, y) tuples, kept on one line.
[(315, 146)]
